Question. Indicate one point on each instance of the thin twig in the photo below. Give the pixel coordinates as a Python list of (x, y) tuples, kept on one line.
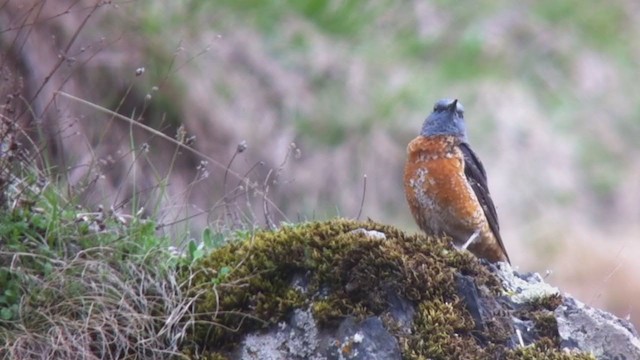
[(242, 146), (364, 192), (265, 206)]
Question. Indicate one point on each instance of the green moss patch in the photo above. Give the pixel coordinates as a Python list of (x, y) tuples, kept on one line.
[(338, 272), (540, 311)]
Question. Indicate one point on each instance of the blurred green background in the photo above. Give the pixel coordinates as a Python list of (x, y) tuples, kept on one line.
[(549, 88)]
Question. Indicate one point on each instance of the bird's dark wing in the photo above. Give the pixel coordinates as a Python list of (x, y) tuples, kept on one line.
[(477, 178)]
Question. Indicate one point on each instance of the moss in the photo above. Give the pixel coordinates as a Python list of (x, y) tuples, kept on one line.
[(256, 290), (441, 331), (547, 350), (550, 302), (336, 272), (540, 311)]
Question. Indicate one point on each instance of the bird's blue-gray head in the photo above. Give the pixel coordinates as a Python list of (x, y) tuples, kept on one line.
[(447, 118)]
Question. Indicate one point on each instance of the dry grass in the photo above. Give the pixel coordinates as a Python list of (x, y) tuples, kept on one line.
[(88, 308), (76, 284)]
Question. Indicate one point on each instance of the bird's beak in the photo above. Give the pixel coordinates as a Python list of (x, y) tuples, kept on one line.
[(453, 106)]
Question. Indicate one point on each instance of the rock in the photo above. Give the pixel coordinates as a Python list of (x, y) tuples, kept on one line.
[(350, 290), (588, 329), (295, 339), (368, 339), (299, 338), (580, 327)]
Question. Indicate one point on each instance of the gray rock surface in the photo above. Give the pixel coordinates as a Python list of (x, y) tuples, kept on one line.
[(300, 338), (588, 329), (580, 327)]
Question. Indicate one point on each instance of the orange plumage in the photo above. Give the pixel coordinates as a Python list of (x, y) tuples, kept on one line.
[(445, 186)]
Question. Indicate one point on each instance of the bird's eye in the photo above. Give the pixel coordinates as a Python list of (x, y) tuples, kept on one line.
[(435, 108)]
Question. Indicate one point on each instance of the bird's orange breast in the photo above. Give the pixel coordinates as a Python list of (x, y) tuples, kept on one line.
[(436, 188)]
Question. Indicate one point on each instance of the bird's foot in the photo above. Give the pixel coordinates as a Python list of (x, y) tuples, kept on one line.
[(472, 238)]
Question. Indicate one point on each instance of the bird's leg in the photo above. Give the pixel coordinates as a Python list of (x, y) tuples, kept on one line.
[(472, 238)]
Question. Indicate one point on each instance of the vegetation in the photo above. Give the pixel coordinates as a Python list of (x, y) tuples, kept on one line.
[(75, 282), (94, 283), (110, 205)]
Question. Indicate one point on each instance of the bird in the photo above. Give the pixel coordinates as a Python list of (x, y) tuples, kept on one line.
[(446, 185)]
